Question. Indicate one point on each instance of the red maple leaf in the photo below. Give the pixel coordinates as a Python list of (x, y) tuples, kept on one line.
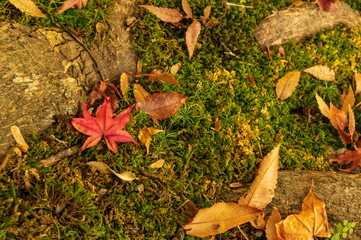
[(327, 5), (347, 157), (70, 4), (103, 124)]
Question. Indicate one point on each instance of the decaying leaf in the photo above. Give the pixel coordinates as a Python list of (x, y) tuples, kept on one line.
[(140, 93), (100, 30), (287, 84), (15, 131), (338, 118), (103, 124), (327, 5), (351, 122), (217, 125), (357, 77), (103, 89), (139, 66), (175, 68), (187, 9), (261, 191), (235, 185), (259, 222), (29, 7), (348, 100), (70, 4), (157, 164), (282, 51), (162, 105), (348, 157), (165, 14), (321, 72), (206, 13), (274, 218), (145, 135), (192, 34), (325, 110), (219, 218), (160, 77), (124, 83), (310, 222), (102, 167)]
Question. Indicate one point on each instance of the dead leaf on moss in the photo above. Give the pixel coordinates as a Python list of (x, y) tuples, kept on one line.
[(104, 168), (235, 185), (157, 164), (217, 125), (140, 93), (175, 68), (187, 9), (145, 135), (28, 7), (287, 84), (348, 100), (192, 34), (165, 14), (322, 73), (325, 110), (357, 77), (338, 118), (160, 77), (124, 83)]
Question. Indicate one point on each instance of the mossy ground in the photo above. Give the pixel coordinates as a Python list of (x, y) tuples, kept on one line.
[(71, 200)]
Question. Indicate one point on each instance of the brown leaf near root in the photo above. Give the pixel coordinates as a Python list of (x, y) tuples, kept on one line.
[(165, 14), (29, 7), (219, 218), (140, 93), (261, 191), (310, 222), (325, 110), (358, 83), (104, 168), (160, 77), (187, 9), (322, 73), (103, 89), (287, 84), (124, 83), (274, 218), (348, 100), (192, 34), (145, 135), (259, 222), (162, 105), (15, 131), (338, 118)]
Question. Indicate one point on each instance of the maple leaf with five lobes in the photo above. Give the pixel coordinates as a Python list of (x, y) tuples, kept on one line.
[(103, 124)]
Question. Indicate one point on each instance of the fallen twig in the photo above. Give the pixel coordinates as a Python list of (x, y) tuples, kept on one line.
[(59, 156)]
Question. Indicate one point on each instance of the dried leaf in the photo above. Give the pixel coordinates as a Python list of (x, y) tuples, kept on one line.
[(124, 83), (327, 5), (351, 122), (70, 4), (261, 191), (157, 164), (287, 84), (338, 118), (104, 168), (187, 9), (321, 72), (29, 7), (140, 93), (162, 105), (274, 218), (192, 34), (139, 66), (347, 157), (145, 135), (15, 131), (103, 89), (100, 30), (310, 222), (217, 125), (282, 51), (348, 100), (161, 77), (344, 136), (207, 12), (325, 110), (259, 222), (219, 218), (165, 14), (175, 68), (235, 185), (358, 83)]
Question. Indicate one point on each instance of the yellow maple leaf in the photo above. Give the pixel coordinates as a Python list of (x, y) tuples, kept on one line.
[(145, 135)]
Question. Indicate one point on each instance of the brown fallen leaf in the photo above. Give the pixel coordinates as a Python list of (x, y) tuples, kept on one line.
[(274, 218), (100, 30), (124, 83), (261, 191), (282, 51), (103, 89), (187, 9), (351, 122), (140, 93), (160, 77), (192, 34), (139, 66), (23, 146), (287, 84), (235, 185), (325, 110), (321, 72), (157, 164), (348, 157), (70, 4), (102, 167), (348, 100), (162, 105), (309, 223), (259, 222), (338, 118), (175, 68), (165, 14), (217, 125), (145, 135), (357, 77), (219, 218), (28, 7)]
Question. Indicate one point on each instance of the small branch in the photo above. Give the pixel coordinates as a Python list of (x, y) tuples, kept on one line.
[(243, 234), (238, 5), (6, 159), (59, 156)]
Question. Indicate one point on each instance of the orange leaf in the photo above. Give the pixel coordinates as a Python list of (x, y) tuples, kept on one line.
[(325, 110), (338, 118), (187, 9), (259, 222), (351, 122), (161, 77), (322, 73), (348, 100), (162, 105), (287, 84), (261, 191), (192, 35), (358, 83), (310, 222), (165, 14), (124, 83), (140, 93), (219, 218), (271, 224), (174, 69), (145, 135), (347, 157), (207, 12), (29, 7)]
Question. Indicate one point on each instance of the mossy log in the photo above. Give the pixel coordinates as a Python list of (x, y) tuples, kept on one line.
[(340, 191), (299, 22)]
